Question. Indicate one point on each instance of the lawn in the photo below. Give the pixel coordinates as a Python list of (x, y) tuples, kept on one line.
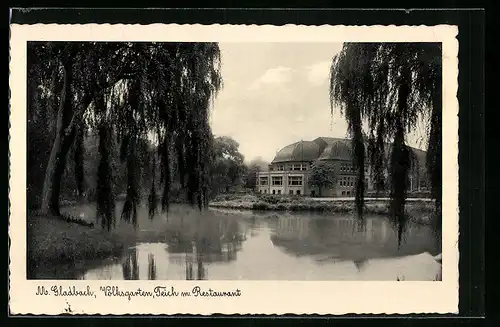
[(51, 240)]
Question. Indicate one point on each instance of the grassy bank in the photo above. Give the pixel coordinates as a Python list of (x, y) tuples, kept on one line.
[(54, 241), (297, 203)]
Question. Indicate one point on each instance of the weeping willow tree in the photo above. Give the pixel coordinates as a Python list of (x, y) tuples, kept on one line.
[(390, 87), (131, 95)]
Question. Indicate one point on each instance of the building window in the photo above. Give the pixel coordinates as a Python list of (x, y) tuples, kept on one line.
[(264, 181), (260, 191), (299, 167), (298, 192), (348, 193), (295, 180), (274, 191), (277, 180), (346, 181), (265, 191), (290, 192), (279, 191), (343, 192), (281, 167)]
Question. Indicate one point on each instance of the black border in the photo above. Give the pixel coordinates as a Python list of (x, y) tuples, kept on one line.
[(470, 93)]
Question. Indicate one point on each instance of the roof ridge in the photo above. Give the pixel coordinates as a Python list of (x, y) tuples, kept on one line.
[(317, 149)]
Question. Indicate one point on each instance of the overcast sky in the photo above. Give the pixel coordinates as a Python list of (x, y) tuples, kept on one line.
[(275, 94)]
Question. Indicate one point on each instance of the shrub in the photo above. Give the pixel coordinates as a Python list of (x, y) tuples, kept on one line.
[(269, 198), (284, 199), (295, 207), (280, 207), (260, 206)]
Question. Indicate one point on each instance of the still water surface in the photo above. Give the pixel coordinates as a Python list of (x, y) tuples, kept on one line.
[(233, 245)]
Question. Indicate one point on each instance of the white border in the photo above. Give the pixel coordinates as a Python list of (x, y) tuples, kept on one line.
[(258, 297)]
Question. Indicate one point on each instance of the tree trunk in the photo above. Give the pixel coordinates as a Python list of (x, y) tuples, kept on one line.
[(60, 149)]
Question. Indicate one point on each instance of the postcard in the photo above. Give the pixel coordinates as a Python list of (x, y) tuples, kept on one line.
[(230, 169)]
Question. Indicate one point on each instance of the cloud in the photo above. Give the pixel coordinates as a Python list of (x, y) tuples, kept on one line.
[(277, 75), (278, 96), (319, 72)]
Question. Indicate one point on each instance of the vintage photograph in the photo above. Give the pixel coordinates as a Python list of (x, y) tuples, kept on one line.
[(251, 161)]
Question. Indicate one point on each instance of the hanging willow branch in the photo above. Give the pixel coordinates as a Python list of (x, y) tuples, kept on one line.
[(105, 194), (153, 198), (129, 213), (389, 86), (165, 153), (79, 152)]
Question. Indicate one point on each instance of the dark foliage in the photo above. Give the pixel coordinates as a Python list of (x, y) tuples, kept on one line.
[(137, 95), (390, 87)]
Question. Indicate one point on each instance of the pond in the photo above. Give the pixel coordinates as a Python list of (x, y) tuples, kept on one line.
[(244, 245)]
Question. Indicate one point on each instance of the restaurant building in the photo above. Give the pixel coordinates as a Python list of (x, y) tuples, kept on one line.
[(289, 171)]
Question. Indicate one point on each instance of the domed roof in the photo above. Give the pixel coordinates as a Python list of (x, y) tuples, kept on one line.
[(338, 149), (299, 151)]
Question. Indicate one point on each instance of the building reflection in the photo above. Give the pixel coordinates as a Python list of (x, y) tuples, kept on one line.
[(343, 238), (292, 227), (300, 228)]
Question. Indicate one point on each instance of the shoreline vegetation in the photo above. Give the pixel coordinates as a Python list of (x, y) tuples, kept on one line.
[(379, 206), (56, 240)]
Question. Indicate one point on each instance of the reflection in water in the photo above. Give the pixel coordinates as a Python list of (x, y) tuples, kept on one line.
[(188, 245), (130, 266), (151, 267), (360, 264), (278, 246), (342, 238)]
